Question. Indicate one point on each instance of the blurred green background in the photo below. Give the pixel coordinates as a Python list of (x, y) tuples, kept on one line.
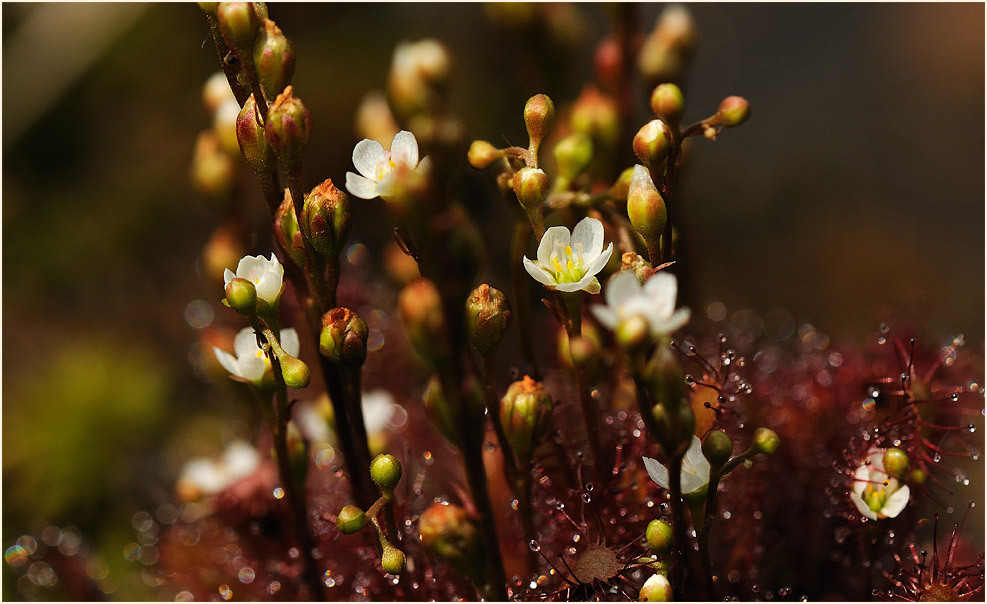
[(856, 184)]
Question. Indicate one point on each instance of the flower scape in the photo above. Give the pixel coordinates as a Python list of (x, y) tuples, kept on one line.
[(547, 413)]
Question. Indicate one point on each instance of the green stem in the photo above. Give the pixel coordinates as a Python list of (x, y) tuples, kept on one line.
[(521, 282), (239, 92)]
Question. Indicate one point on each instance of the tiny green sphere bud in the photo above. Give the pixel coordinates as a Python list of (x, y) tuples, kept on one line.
[(667, 102), (917, 476), (632, 333), (656, 589), (343, 337), (652, 141), (488, 315), (241, 295), (895, 462), (734, 111), (250, 134), (482, 154), (392, 560), (350, 520), (531, 187), (385, 471), (573, 155), (295, 372), (659, 536), (274, 59), (287, 128), (326, 219), (539, 113), (524, 414), (766, 441), (717, 447), (646, 207), (287, 232), (238, 22)]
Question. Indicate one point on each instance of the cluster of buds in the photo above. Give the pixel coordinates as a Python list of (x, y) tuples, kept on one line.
[(666, 52), (385, 471)]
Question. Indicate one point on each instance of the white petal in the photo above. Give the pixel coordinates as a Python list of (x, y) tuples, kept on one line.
[(691, 482), (597, 264), (622, 287), (538, 273), (605, 315), (228, 276), (697, 460), (424, 165), (861, 478), (862, 507), (589, 233), (269, 287), (361, 187), (245, 343), (240, 460), (205, 475), (679, 318), (556, 237), (404, 149), (378, 408), (252, 268), (366, 155), (896, 502), (641, 179), (661, 289), (289, 341), (312, 424), (575, 286), (657, 472), (252, 367), (227, 360)]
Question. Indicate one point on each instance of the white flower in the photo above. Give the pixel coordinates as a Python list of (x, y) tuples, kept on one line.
[(203, 477), (655, 302), (266, 275), (250, 363), (376, 165), (570, 263), (875, 493), (695, 469), (378, 410)]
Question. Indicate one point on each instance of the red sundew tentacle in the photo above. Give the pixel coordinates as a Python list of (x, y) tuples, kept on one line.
[(939, 451), (922, 422)]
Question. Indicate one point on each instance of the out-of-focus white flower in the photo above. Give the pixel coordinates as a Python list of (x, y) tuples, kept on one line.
[(695, 469), (266, 275), (655, 302), (250, 363), (876, 494), (224, 124), (377, 167), (203, 477), (314, 419), (569, 263)]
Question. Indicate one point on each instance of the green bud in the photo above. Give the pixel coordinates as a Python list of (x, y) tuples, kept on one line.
[(287, 232), (482, 154), (241, 295), (583, 351), (621, 186), (652, 142), (531, 187), (385, 471), (294, 370), (766, 441), (573, 154), (717, 447), (733, 111), (539, 113), (895, 463), (287, 128), (392, 560), (350, 519), (645, 207), (448, 533), (212, 170), (633, 335), (326, 219), (596, 115), (420, 308), (274, 59), (659, 536), (343, 337), (250, 135), (917, 476), (488, 315), (238, 22), (524, 414), (667, 102), (656, 589)]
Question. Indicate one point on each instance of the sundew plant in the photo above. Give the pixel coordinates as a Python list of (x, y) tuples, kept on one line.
[(468, 359)]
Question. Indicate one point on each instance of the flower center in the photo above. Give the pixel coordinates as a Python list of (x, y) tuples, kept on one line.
[(875, 496), (385, 167), (568, 264)]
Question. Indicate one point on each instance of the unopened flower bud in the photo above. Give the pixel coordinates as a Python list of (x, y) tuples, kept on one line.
[(274, 59), (895, 463), (482, 154), (652, 141), (573, 155), (733, 111), (531, 187), (645, 206), (717, 447), (295, 372), (621, 186), (659, 536), (488, 315), (212, 170), (667, 102), (656, 589), (667, 379), (766, 441), (287, 232), (287, 128), (596, 115), (326, 219), (238, 22), (241, 295), (420, 308), (539, 113), (343, 337), (583, 351), (392, 560), (524, 413), (632, 334), (216, 91), (250, 136), (448, 533), (350, 519), (632, 261), (385, 471)]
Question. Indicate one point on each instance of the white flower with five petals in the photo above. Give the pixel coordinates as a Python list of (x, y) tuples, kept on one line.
[(695, 469), (569, 263), (377, 167), (250, 363), (266, 275), (876, 494), (655, 302)]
